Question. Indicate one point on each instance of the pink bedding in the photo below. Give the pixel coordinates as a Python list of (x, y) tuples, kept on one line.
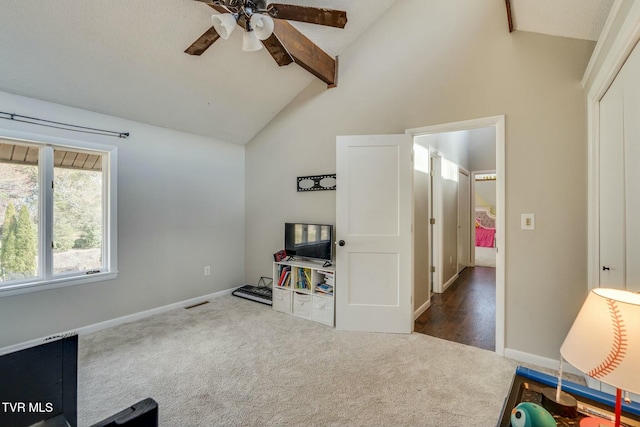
[(485, 237)]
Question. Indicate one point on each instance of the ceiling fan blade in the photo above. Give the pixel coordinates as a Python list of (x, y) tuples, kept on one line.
[(277, 50), (312, 15), (209, 37), (306, 53), (203, 43), (220, 8)]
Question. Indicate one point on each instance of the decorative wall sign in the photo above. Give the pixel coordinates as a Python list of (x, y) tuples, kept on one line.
[(317, 183)]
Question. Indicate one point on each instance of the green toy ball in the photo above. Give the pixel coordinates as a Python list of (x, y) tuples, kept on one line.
[(529, 414)]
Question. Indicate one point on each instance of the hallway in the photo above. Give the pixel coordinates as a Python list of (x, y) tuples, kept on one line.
[(466, 312)]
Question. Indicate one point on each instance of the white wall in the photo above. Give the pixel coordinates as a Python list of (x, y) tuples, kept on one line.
[(180, 207), (454, 146), (449, 222), (473, 149), (482, 149), (427, 63), (486, 195)]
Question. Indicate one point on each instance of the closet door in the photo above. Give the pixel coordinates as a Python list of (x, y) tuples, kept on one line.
[(631, 78), (612, 189)]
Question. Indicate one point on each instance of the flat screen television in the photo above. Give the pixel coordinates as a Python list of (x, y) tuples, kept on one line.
[(309, 241)]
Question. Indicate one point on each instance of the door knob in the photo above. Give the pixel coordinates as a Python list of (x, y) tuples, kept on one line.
[(341, 243), (605, 268)]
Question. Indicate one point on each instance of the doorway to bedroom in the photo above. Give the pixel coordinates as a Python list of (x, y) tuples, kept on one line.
[(464, 290), (484, 200)]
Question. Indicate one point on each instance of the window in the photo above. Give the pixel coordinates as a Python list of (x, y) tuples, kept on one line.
[(57, 214)]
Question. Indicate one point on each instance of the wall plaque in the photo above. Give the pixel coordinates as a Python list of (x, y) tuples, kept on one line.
[(317, 182)]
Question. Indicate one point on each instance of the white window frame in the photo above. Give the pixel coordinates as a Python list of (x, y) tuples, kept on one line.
[(46, 280)]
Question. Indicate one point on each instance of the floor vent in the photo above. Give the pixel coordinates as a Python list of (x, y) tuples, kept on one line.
[(197, 305)]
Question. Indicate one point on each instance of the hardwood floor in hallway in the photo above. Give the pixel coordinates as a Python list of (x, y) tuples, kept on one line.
[(466, 312)]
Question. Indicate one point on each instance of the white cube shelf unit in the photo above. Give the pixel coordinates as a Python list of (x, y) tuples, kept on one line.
[(305, 289)]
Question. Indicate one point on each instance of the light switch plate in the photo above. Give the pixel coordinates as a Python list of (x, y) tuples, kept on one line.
[(528, 221)]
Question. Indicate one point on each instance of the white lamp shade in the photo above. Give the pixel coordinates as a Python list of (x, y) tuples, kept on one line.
[(224, 24), (262, 25), (604, 341), (251, 42)]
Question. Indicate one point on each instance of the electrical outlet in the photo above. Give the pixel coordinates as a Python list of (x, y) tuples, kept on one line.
[(207, 270)]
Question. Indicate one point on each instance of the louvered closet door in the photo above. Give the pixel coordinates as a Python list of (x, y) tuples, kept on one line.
[(611, 189), (631, 76)]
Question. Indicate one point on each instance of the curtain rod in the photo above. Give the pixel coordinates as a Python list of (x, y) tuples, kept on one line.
[(59, 125)]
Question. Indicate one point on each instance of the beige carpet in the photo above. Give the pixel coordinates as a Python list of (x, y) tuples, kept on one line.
[(234, 362)]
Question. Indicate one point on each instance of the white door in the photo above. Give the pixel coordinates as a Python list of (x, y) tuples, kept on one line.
[(611, 189), (464, 219), (374, 257)]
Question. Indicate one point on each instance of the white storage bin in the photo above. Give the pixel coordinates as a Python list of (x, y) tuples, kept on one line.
[(322, 310), (302, 305), (282, 300)]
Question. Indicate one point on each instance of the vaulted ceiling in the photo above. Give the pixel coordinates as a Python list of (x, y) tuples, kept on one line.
[(126, 57), (578, 19)]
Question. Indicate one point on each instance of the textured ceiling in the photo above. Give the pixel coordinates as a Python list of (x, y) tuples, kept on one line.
[(126, 57), (578, 19)]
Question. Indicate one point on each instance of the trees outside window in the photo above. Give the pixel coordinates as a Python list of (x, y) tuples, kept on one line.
[(19, 249), (19, 232), (58, 207)]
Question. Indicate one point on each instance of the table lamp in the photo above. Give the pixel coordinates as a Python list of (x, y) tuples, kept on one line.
[(604, 341)]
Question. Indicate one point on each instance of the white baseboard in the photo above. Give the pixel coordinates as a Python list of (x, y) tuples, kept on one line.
[(421, 309), (543, 362), (118, 321), (450, 282)]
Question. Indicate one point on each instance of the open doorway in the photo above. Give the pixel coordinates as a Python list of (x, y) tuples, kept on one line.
[(458, 287), (484, 201)]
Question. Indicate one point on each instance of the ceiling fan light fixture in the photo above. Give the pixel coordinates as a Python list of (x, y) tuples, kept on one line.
[(262, 25), (224, 24), (251, 42)]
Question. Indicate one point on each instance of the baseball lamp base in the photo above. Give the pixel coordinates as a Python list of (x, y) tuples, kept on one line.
[(562, 404)]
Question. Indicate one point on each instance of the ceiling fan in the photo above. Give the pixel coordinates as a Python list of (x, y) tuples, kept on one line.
[(267, 25)]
